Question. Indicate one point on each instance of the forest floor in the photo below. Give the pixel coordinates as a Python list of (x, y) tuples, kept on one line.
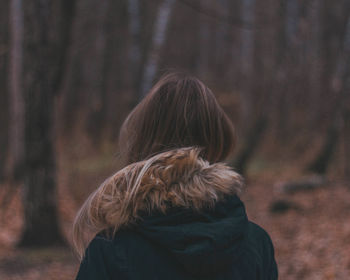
[(312, 239)]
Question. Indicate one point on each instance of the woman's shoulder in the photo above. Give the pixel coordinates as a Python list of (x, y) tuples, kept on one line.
[(261, 241), (259, 245), (258, 230), (102, 259), (105, 244), (121, 241), (113, 239), (259, 236)]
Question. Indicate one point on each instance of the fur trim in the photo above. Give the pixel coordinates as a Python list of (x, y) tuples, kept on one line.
[(176, 178)]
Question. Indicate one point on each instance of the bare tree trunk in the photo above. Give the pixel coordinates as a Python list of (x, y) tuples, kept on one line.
[(158, 39), (327, 55), (285, 59), (279, 95), (320, 164), (224, 51), (251, 144), (234, 48), (135, 44), (202, 62), (67, 9), (346, 141), (4, 92), (16, 129), (291, 21), (247, 59), (96, 74), (72, 80), (39, 197), (339, 88), (315, 61)]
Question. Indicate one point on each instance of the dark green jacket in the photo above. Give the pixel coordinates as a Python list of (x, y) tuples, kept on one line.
[(218, 243)]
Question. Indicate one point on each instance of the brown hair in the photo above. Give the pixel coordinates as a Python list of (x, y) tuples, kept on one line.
[(179, 111)]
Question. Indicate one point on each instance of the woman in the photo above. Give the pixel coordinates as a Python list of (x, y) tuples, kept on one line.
[(173, 211)]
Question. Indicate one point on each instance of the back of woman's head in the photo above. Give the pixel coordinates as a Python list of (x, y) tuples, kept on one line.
[(179, 111)]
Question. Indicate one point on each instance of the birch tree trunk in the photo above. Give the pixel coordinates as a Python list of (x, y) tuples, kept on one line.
[(16, 128), (158, 39)]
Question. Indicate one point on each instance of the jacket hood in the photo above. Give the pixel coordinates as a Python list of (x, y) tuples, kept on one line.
[(204, 242), (187, 206)]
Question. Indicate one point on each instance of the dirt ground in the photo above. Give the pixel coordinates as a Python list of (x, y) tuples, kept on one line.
[(312, 238)]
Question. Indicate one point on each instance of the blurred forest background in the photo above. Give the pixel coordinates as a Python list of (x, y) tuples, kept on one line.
[(71, 71)]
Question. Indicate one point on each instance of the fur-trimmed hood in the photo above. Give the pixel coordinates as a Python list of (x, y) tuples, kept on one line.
[(176, 178)]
